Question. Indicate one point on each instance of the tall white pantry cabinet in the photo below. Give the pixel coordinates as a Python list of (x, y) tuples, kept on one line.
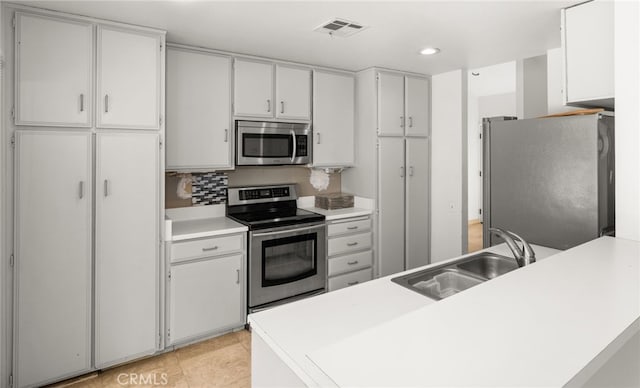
[(89, 101), (392, 140)]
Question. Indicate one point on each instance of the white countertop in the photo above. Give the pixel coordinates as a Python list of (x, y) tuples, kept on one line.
[(205, 227), (300, 330), (363, 207), (539, 326), (199, 221)]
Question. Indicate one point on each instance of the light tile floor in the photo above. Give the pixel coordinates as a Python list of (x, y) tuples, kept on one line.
[(223, 361)]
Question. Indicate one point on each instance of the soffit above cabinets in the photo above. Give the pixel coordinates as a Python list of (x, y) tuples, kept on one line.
[(469, 33)]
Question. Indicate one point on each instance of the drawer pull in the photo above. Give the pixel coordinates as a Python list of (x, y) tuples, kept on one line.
[(352, 262), (352, 227), (352, 244), (209, 249), (353, 283)]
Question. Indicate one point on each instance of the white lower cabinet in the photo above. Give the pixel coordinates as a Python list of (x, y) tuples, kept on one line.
[(52, 336), (206, 288), (127, 246), (349, 249)]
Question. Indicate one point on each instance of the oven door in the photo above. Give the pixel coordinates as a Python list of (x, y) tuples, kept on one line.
[(286, 262), (272, 146)]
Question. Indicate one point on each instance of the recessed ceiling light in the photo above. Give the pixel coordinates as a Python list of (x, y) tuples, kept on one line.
[(430, 51)]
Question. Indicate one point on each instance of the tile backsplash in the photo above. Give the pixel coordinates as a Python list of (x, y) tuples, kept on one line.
[(209, 188)]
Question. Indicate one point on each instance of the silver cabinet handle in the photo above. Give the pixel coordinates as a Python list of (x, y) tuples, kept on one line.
[(81, 189), (226, 135), (353, 283), (352, 244), (281, 106), (106, 103), (410, 170), (81, 102), (210, 249), (401, 121), (410, 122), (237, 276), (318, 133), (106, 187), (353, 262), (352, 227), (268, 105), (402, 172)]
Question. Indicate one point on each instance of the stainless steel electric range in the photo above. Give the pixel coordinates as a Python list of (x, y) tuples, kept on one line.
[(287, 246)]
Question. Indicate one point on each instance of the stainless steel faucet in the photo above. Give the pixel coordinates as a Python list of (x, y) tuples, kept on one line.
[(524, 256)]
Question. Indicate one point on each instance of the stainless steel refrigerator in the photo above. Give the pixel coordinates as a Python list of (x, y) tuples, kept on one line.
[(549, 180)]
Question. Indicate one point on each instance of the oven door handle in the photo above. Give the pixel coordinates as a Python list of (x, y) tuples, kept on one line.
[(293, 137), (287, 231)]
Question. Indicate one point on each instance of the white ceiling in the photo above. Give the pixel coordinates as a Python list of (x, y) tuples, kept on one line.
[(470, 34)]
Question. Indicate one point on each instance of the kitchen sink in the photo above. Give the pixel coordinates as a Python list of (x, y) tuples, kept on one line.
[(488, 265), (448, 279)]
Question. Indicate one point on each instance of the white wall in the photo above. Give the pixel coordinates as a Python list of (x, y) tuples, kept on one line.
[(3, 317), (627, 86), (531, 87), (448, 168)]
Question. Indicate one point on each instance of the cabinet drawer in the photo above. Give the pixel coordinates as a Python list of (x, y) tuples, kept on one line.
[(352, 243), (349, 227), (205, 247), (350, 279), (348, 263)]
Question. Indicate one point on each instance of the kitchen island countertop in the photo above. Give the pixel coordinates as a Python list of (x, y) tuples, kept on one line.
[(303, 333)]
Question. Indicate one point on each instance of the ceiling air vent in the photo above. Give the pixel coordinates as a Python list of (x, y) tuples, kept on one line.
[(340, 27)]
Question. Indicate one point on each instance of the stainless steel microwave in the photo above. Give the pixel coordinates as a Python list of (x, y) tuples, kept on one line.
[(261, 143)]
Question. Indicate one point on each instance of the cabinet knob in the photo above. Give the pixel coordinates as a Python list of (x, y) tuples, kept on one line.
[(268, 105), (81, 102), (81, 190), (410, 122), (318, 136), (226, 135), (106, 103), (281, 106)]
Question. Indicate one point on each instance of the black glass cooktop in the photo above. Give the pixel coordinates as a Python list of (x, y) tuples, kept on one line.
[(272, 216)]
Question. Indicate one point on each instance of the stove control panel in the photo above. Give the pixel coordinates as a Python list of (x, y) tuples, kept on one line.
[(264, 193)]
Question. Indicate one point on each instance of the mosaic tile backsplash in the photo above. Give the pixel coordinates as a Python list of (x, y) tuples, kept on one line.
[(209, 188)]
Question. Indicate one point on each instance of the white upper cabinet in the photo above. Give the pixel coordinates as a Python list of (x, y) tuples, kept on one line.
[(333, 119), (129, 78), (588, 52), (391, 119), (403, 105), (293, 92), (253, 82), (199, 131), (417, 106), (53, 71), (265, 90)]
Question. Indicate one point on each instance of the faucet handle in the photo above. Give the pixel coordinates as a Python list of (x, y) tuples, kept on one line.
[(529, 254)]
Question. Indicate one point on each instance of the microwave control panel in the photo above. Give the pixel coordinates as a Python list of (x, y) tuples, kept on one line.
[(301, 145)]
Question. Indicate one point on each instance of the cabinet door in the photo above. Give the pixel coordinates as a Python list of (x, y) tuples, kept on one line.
[(417, 105), (129, 79), (391, 118), (417, 202), (206, 296), (293, 93), (127, 246), (253, 86), (198, 110), (53, 256), (391, 183), (53, 80), (588, 48), (333, 119)]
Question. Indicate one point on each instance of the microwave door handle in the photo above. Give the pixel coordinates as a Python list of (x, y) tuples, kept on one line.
[(293, 137)]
